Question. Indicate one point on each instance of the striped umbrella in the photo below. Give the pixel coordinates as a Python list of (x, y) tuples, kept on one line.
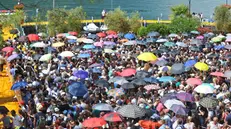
[(113, 117), (131, 111), (208, 102)]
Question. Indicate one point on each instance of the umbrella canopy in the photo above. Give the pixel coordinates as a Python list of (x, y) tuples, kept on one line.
[(58, 44), (113, 117), (152, 87), (8, 49), (3, 110), (169, 44), (228, 46), (33, 37), (109, 43), (161, 62), (200, 37), (84, 55), (194, 81), (208, 102), (204, 88), (201, 66), (181, 44), (46, 57), (196, 42), (177, 68), (71, 37), (194, 32), (95, 65), (77, 89), (103, 107), (172, 35), (161, 40), (151, 80), (128, 85), (147, 56), (19, 85), (130, 43), (88, 41), (169, 103), (121, 81), (112, 36), (66, 54), (88, 46), (165, 68), (94, 122), (73, 33), (153, 34), (179, 110), (111, 32), (12, 57), (22, 39), (115, 92), (114, 79), (227, 74), (129, 36), (218, 74), (186, 97), (101, 35), (109, 51), (39, 45), (142, 74), (139, 82), (102, 83), (216, 39), (131, 111), (168, 96), (81, 74), (167, 79), (98, 44), (127, 72), (190, 63)]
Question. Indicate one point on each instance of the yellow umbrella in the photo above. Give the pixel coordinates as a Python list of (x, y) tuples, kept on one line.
[(147, 56), (58, 44), (201, 66)]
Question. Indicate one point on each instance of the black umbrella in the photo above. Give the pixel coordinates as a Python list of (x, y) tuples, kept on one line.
[(131, 111), (3, 110), (128, 86), (142, 74), (139, 82), (177, 68), (102, 83)]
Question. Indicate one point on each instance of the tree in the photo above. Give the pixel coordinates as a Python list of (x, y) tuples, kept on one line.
[(222, 18), (163, 29), (181, 24), (2, 43), (134, 22), (179, 11), (117, 20), (142, 31), (38, 19), (14, 20)]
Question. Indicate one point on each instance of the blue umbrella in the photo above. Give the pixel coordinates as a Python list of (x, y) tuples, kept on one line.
[(219, 47), (102, 107), (129, 36), (153, 34), (72, 41), (167, 79), (96, 65), (81, 74), (88, 46), (190, 63), (12, 57), (151, 40), (92, 36), (151, 80), (50, 49), (19, 85), (140, 42), (77, 89), (84, 55), (96, 70)]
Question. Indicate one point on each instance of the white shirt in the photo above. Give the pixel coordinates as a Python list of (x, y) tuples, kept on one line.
[(189, 125), (16, 121)]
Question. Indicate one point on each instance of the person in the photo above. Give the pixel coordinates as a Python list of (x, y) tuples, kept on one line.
[(16, 119), (103, 14), (189, 124), (40, 119), (6, 121), (2, 61), (214, 124)]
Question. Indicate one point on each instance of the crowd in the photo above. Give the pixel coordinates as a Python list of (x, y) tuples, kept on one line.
[(115, 81)]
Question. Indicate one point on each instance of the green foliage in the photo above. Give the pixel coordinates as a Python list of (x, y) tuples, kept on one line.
[(163, 29), (179, 11), (117, 20), (37, 19), (14, 20), (142, 31), (134, 22), (2, 43), (180, 24), (222, 18)]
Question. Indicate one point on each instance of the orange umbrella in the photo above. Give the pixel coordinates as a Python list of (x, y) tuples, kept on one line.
[(124, 40), (101, 35), (147, 124), (94, 122), (73, 33), (33, 37), (111, 32)]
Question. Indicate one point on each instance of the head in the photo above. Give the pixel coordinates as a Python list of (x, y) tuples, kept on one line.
[(13, 113)]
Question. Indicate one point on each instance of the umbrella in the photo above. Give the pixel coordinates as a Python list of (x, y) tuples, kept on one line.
[(33, 37), (127, 72), (19, 85), (169, 44), (58, 44), (219, 47), (128, 85), (227, 74), (95, 65), (216, 39), (161, 62), (181, 44), (22, 39), (109, 51), (92, 36), (88, 46), (172, 35), (129, 36), (208, 102), (201, 66), (12, 57), (112, 36), (177, 68), (169, 103), (142, 74), (167, 79), (200, 37), (71, 37), (121, 81), (204, 88), (8, 49), (152, 87), (101, 35), (153, 34), (87, 41), (77, 89), (73, 33), (3, 110), (94, 122), (113, 117), (196, 42), (98, 44), (81, 74), (147, 56), (131, 111), (161, 40), (111, 32), (62, 35), (114, 79), (84, 55), (66, 54), (168, 96), (190, 63), (130, 43), (150, 40), (186, 97), (46, 57), (151, 80), (228, 47), (109, 43), (218, 74), (179, 110), (194, 32), (102, 83), (71, 41), (103, 107), (115, 92), (165, 69), (139, 82), (194, 48), (194, 81), (39, 45)]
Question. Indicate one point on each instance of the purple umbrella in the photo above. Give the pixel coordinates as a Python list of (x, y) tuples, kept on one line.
[(12, 57), (183, 96), (81, 74), (167, 97), (179, 110), (109, 43), (95, 65)]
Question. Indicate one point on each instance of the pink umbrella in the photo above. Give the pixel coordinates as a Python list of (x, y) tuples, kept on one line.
[(98, 44), (8, 49), (152, 87), (127, 72), (112, 36), (218, 74), (228, 40), (200, 37), (194, 81)]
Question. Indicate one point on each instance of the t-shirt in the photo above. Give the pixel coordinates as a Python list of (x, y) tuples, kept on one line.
[(16, 121)]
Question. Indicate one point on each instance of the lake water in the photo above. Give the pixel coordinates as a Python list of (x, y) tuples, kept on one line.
[(149, 9)]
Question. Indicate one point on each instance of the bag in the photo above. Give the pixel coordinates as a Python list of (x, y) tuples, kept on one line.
[(41, 122)]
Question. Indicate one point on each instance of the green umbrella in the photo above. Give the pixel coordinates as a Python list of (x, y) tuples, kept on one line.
[(46, 57), (169, 44), (43, 35), (216, 39)]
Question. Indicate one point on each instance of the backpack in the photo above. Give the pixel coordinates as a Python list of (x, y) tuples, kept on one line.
[(41, 122)]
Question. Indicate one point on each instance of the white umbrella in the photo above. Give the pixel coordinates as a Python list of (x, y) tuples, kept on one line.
[(181, 44), (91, 27), (66, 54), (168, 104), (162, 40), (121, 81), (204, 89), (172, 35), (87, 41), (71, 37), (39, 45), (227, 74), (46, 57), (109, 51), (130, 43)]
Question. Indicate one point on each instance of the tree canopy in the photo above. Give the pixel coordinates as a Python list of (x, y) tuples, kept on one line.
[(179, 11), (222, 18)]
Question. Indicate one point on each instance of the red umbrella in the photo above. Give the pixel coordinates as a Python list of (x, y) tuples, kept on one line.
[(93, 122), (111, 32), (73, 33), (194, 81), (218, 74), (33, 37), (127, 72), (113, 117), (8, 49), (101, 35)]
